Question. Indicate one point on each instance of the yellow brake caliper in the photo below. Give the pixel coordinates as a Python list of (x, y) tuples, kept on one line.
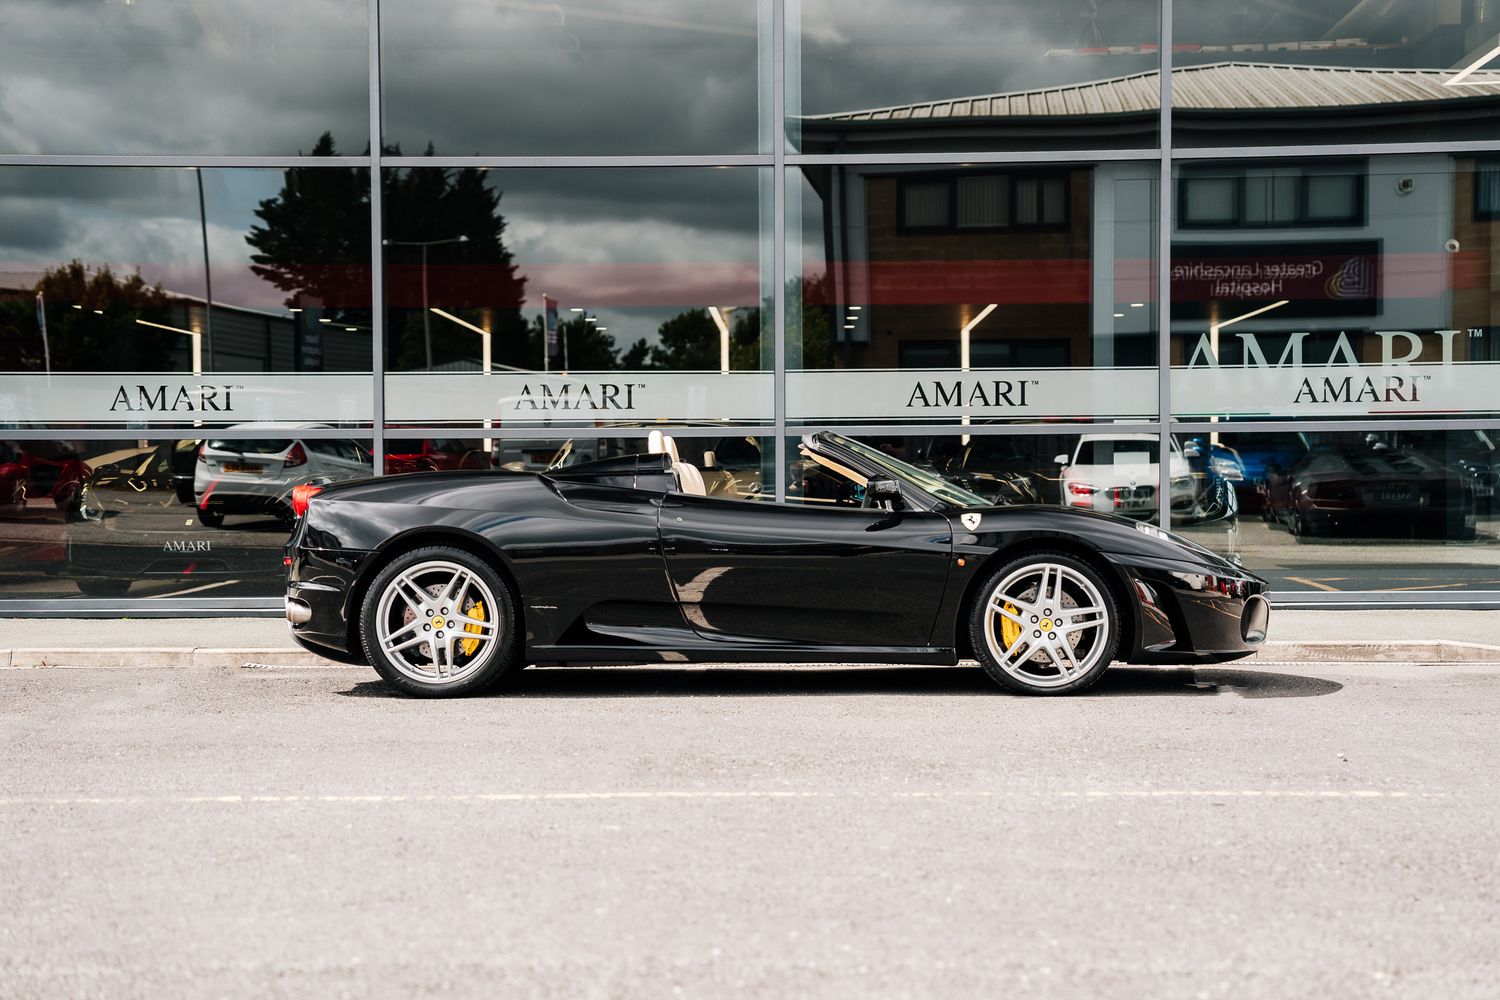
[(477, 611), (1010, 630)]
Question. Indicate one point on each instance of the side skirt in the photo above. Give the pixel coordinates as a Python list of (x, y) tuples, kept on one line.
[(734, 653)]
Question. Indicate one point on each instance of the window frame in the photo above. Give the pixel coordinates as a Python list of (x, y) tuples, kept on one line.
[(950, 178), (1236, 172)]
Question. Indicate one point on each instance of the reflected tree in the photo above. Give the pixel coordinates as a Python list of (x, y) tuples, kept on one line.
[(91, 324), (313, 242)]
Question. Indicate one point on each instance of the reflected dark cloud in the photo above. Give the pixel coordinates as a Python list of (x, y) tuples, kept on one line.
[(504, 76), (173, 76), (878, 54)]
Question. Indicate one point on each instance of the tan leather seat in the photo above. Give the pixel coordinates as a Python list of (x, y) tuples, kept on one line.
[(689, 479)]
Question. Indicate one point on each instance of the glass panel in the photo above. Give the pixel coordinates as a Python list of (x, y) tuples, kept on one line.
[(245, 77), (1376, 299), (1114, 473), (1325, 71), (925, 204), (734, 466), (1357, 510), (983, 202), (155, 518), (465, 77), (971, 74), (184, 297), (597, 295), (1044, 311)]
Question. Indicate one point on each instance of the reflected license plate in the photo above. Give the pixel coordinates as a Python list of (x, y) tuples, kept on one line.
[(1393, 494), (244, 467)]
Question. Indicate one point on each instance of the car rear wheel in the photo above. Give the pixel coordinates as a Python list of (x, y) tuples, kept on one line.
[(1044, 624), (439, 621), (210, 518)]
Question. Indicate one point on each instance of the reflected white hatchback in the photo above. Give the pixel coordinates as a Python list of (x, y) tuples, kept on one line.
[(256, 475), (1118, 473)]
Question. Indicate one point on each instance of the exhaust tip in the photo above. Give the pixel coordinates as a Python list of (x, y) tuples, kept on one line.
[(297, 612), (1254, 620)]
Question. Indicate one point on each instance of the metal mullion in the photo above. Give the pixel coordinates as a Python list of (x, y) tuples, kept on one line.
[(668, 160), (260, 430), (141, 607), (1164, 276), (1354, 600), (1334, 150), (1016, 156), (208, 162), (1292, 425), (778, 235), (590, 432), (977, 430), (377, 256)]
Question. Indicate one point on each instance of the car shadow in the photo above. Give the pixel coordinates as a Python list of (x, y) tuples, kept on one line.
[(677, 682)]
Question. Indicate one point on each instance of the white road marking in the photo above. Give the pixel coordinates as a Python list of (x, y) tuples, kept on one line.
[(665, 794), (192, 590)]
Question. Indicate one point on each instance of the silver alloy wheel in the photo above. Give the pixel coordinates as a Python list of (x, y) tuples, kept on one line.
[(1058, 620), (437, 622)]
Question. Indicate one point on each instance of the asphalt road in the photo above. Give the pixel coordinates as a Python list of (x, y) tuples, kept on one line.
[(1328, 831)]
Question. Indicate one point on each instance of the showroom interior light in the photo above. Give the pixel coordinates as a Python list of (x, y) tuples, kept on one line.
[(723, 325), (197, 341)]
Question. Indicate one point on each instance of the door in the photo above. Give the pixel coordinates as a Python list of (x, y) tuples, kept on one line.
[(807, 575)]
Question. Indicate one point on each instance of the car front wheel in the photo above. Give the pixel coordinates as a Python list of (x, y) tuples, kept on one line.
[(439, 621), (1044, 623)]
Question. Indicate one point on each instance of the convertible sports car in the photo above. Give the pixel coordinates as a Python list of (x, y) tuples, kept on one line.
[(445, 582)]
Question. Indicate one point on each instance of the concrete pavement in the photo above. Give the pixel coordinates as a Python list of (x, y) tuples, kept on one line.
[(1296, 636), (1319, 831)]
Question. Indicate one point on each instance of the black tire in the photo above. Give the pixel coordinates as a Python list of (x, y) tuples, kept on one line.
[(102, 586), (1035, 674), (210, 518), (492, 659)]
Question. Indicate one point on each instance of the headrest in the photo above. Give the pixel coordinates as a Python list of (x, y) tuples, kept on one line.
[(655, 443), (671, 446)]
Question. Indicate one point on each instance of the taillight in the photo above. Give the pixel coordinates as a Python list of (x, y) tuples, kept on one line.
[(1081, 489), (297, 456), (301, 495), (202, 453)]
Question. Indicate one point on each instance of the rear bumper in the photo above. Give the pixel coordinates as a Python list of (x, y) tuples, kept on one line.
[(320, 599)]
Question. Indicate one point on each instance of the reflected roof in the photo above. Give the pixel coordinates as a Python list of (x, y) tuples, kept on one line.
[(1217, 86)]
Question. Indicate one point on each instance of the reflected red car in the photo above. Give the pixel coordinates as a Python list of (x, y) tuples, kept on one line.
[(432, 455), (40, 475)]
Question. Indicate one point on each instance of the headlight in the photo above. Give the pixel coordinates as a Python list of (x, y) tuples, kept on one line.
[(1182, 480), (1228, 586), (1227, 468), (1153, 531)]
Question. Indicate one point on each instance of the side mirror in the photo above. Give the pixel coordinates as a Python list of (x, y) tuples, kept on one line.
[(883, 492), (1061, 459)]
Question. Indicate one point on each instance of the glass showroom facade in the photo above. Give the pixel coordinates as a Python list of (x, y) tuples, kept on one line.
[(1231, 266)]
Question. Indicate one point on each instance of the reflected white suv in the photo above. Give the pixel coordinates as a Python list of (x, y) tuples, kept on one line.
[(1118, 474), (256, 475)]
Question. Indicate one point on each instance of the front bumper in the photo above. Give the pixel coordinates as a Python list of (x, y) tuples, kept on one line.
[(1190, 616)]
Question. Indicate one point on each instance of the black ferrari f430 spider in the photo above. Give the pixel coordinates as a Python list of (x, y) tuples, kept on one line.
[(447, 582)]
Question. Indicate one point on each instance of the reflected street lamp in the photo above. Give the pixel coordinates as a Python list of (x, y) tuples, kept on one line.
[(424, 244)]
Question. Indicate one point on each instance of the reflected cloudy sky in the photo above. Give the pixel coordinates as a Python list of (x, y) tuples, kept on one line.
[(250, 77), (648, 241)]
